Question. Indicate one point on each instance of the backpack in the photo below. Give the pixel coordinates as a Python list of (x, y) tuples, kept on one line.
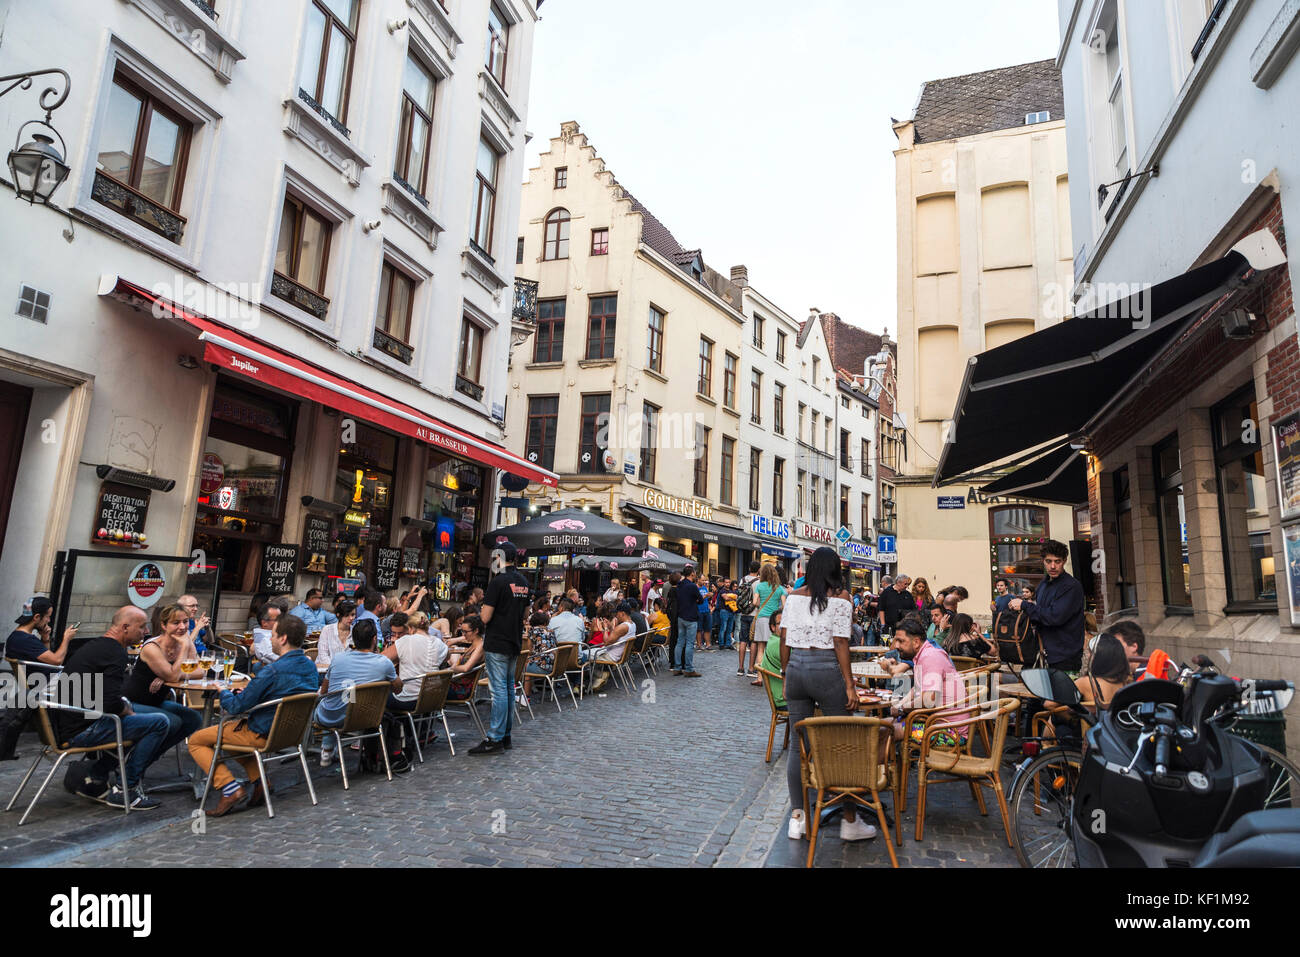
[(1017, 639), (745, 598)]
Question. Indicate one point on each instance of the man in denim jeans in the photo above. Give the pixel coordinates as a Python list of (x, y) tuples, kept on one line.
[(504, 606), (688, 621)]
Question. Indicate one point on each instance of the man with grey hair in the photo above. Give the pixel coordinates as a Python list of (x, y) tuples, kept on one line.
[(895, 602)]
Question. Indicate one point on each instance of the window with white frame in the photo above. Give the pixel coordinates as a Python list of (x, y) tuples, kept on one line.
[(416, 131), (485, 196), (497, 36), (328, 48)]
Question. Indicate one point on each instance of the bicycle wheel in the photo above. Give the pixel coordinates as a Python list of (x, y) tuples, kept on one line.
[(1283, 777), (1040, 809)]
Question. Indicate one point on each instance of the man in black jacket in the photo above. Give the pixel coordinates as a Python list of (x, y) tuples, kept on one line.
[(1057, 610), (105, 658), (895, 602)]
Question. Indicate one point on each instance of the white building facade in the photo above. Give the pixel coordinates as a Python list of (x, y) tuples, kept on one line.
[(275, 297)]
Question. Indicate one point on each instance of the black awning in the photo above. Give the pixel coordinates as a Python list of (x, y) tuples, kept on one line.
[(1060, 477), (1048, 385), (697, 530)]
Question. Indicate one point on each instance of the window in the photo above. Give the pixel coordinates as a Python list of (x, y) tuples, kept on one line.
[(561, 177), (1243, 502), (601, 317), (887, 509), (1176, 570), (812, 428), (543, 420), (728, 470), (799, 494), (654, 351), (600, 242), (729, 365), (1115, 97), (817, 372), (780, 347), (758, 332), (470, 364), (705, 384), (548, 343), (701, 461), (485, 200), (778, 408), (1126, 577), (755, 396), (326, 74), (649, 440), (799, 423), (865, 463), (393, 315), (816, 496), (302, 252), (866, 412), (556, 244), (1042, 116), (595, 418), (519, 251), (498, 33), (844, 506), (140, 167), (844, 402), (889, 444), (1014, 534), (755, 476), (416, 132), (778, 487), (864, 515), (846, 458)]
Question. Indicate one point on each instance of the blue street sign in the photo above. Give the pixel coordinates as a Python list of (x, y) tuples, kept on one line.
[(952, 501), (886, 544), (843, 535)]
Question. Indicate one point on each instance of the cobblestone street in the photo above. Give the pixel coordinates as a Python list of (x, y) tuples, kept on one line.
[(672, 776)]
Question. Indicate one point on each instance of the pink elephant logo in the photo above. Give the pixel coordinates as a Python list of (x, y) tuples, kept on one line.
[(568, 525), (629, 542), (613, 564)]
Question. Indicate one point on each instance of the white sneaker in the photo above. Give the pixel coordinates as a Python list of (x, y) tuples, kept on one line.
[(326, 758), (797, 829), (855, 830)]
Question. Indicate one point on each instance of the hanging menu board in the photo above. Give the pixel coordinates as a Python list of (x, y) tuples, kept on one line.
[(1286, 451), (279, 567), (120, 516), (387, 562), (317, 531), (411, 563)]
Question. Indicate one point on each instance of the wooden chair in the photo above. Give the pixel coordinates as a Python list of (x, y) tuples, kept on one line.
[(289, 726), (563, 664), (311, 652), (470, 704), (958, 764), (910, 750), (849, 759), (430, 706), (51, 744), (779, 715), (966, 664), (362, 720)]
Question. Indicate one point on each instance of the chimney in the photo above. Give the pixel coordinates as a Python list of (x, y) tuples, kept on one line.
[(568, 130), (740, 275), (884, 337)]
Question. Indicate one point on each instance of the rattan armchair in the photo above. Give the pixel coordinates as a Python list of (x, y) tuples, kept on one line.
[(779, 715), (958, 764), (849, 759), (363, 719), (975, 690), (289, 726)]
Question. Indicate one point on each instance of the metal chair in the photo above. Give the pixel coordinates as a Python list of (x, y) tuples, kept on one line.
[(641, 651), (430, 706), (564, 663), (620, 669), (363, 719), (289, 727), (52, 745), (471, 703)]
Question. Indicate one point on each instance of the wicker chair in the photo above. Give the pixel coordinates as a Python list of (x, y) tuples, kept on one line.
[(958, 764), (289, 728), (849, 759), (779, 715), (51, 744), (363, 719), (975, 691), (966, 664), (430, 706)]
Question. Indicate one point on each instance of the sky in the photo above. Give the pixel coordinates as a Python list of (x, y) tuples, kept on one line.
[(760, 130)]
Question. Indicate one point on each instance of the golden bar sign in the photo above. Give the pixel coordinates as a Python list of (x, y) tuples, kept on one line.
[(682, 506)]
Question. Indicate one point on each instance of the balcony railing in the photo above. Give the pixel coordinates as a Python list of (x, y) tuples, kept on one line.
[(393, 346), (133, 203), (469, 387), (299, 295), (525, 308), (324, 113)]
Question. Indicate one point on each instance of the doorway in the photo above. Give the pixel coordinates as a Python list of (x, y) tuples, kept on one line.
[(15, 403)]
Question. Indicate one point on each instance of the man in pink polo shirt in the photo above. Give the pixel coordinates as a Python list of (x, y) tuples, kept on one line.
[(934, 681)]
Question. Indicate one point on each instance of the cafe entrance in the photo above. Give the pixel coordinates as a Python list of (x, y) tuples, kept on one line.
[(363, 482)]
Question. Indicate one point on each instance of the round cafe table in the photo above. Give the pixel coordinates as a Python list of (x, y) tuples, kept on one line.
[(210, 690)]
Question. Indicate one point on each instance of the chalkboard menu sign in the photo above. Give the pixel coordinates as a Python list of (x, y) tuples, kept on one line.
[(387, 561), (1286, 448), (279, 567), (478, 576), (411, 562), (120, 517), (316, 534)]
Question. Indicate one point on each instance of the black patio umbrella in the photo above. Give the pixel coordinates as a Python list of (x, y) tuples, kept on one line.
[(651, 560), (570, 531)]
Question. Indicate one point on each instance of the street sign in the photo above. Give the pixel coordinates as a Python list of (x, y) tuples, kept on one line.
[(843, 535), (886, 543), (952, 501)]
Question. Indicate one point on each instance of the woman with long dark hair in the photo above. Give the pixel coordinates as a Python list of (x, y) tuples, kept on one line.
[(816, 625), (1107, 673)]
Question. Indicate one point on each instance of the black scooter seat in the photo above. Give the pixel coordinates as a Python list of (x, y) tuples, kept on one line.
[(1258, 839)]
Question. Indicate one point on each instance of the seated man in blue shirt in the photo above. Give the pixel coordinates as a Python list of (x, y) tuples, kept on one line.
[(359, 665), (311, 612), (291, 673)]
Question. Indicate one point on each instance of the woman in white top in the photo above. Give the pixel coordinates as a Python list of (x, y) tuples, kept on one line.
[(336, 638), (415, 653), (816, 625), (612, 651)]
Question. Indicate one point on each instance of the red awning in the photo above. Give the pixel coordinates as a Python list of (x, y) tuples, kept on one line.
[(234, 352)]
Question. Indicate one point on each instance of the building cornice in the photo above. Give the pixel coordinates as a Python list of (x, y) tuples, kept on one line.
[(703, 291)]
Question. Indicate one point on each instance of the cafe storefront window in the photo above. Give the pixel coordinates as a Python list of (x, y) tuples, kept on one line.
[(453, 502), (1243, 505), (1175, 567), (1126, 576), (363, 482), (1016, 536), (243, 474)]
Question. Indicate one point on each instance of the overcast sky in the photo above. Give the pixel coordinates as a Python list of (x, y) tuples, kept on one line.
[(759, 131)]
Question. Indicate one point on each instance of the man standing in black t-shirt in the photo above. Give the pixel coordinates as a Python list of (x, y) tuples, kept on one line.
[(895, 602), (504, 606)]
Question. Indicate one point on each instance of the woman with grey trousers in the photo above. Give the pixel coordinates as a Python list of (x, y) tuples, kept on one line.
[(815, 629)]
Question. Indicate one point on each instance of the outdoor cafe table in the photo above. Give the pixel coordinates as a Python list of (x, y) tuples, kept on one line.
[(210, 690), (871, 670)]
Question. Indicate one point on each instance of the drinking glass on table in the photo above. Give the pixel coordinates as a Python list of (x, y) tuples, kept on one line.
[(207, 659), (188, 667), (227, 667)]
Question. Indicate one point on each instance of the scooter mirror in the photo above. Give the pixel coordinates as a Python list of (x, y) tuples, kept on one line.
[(1051, 685)]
